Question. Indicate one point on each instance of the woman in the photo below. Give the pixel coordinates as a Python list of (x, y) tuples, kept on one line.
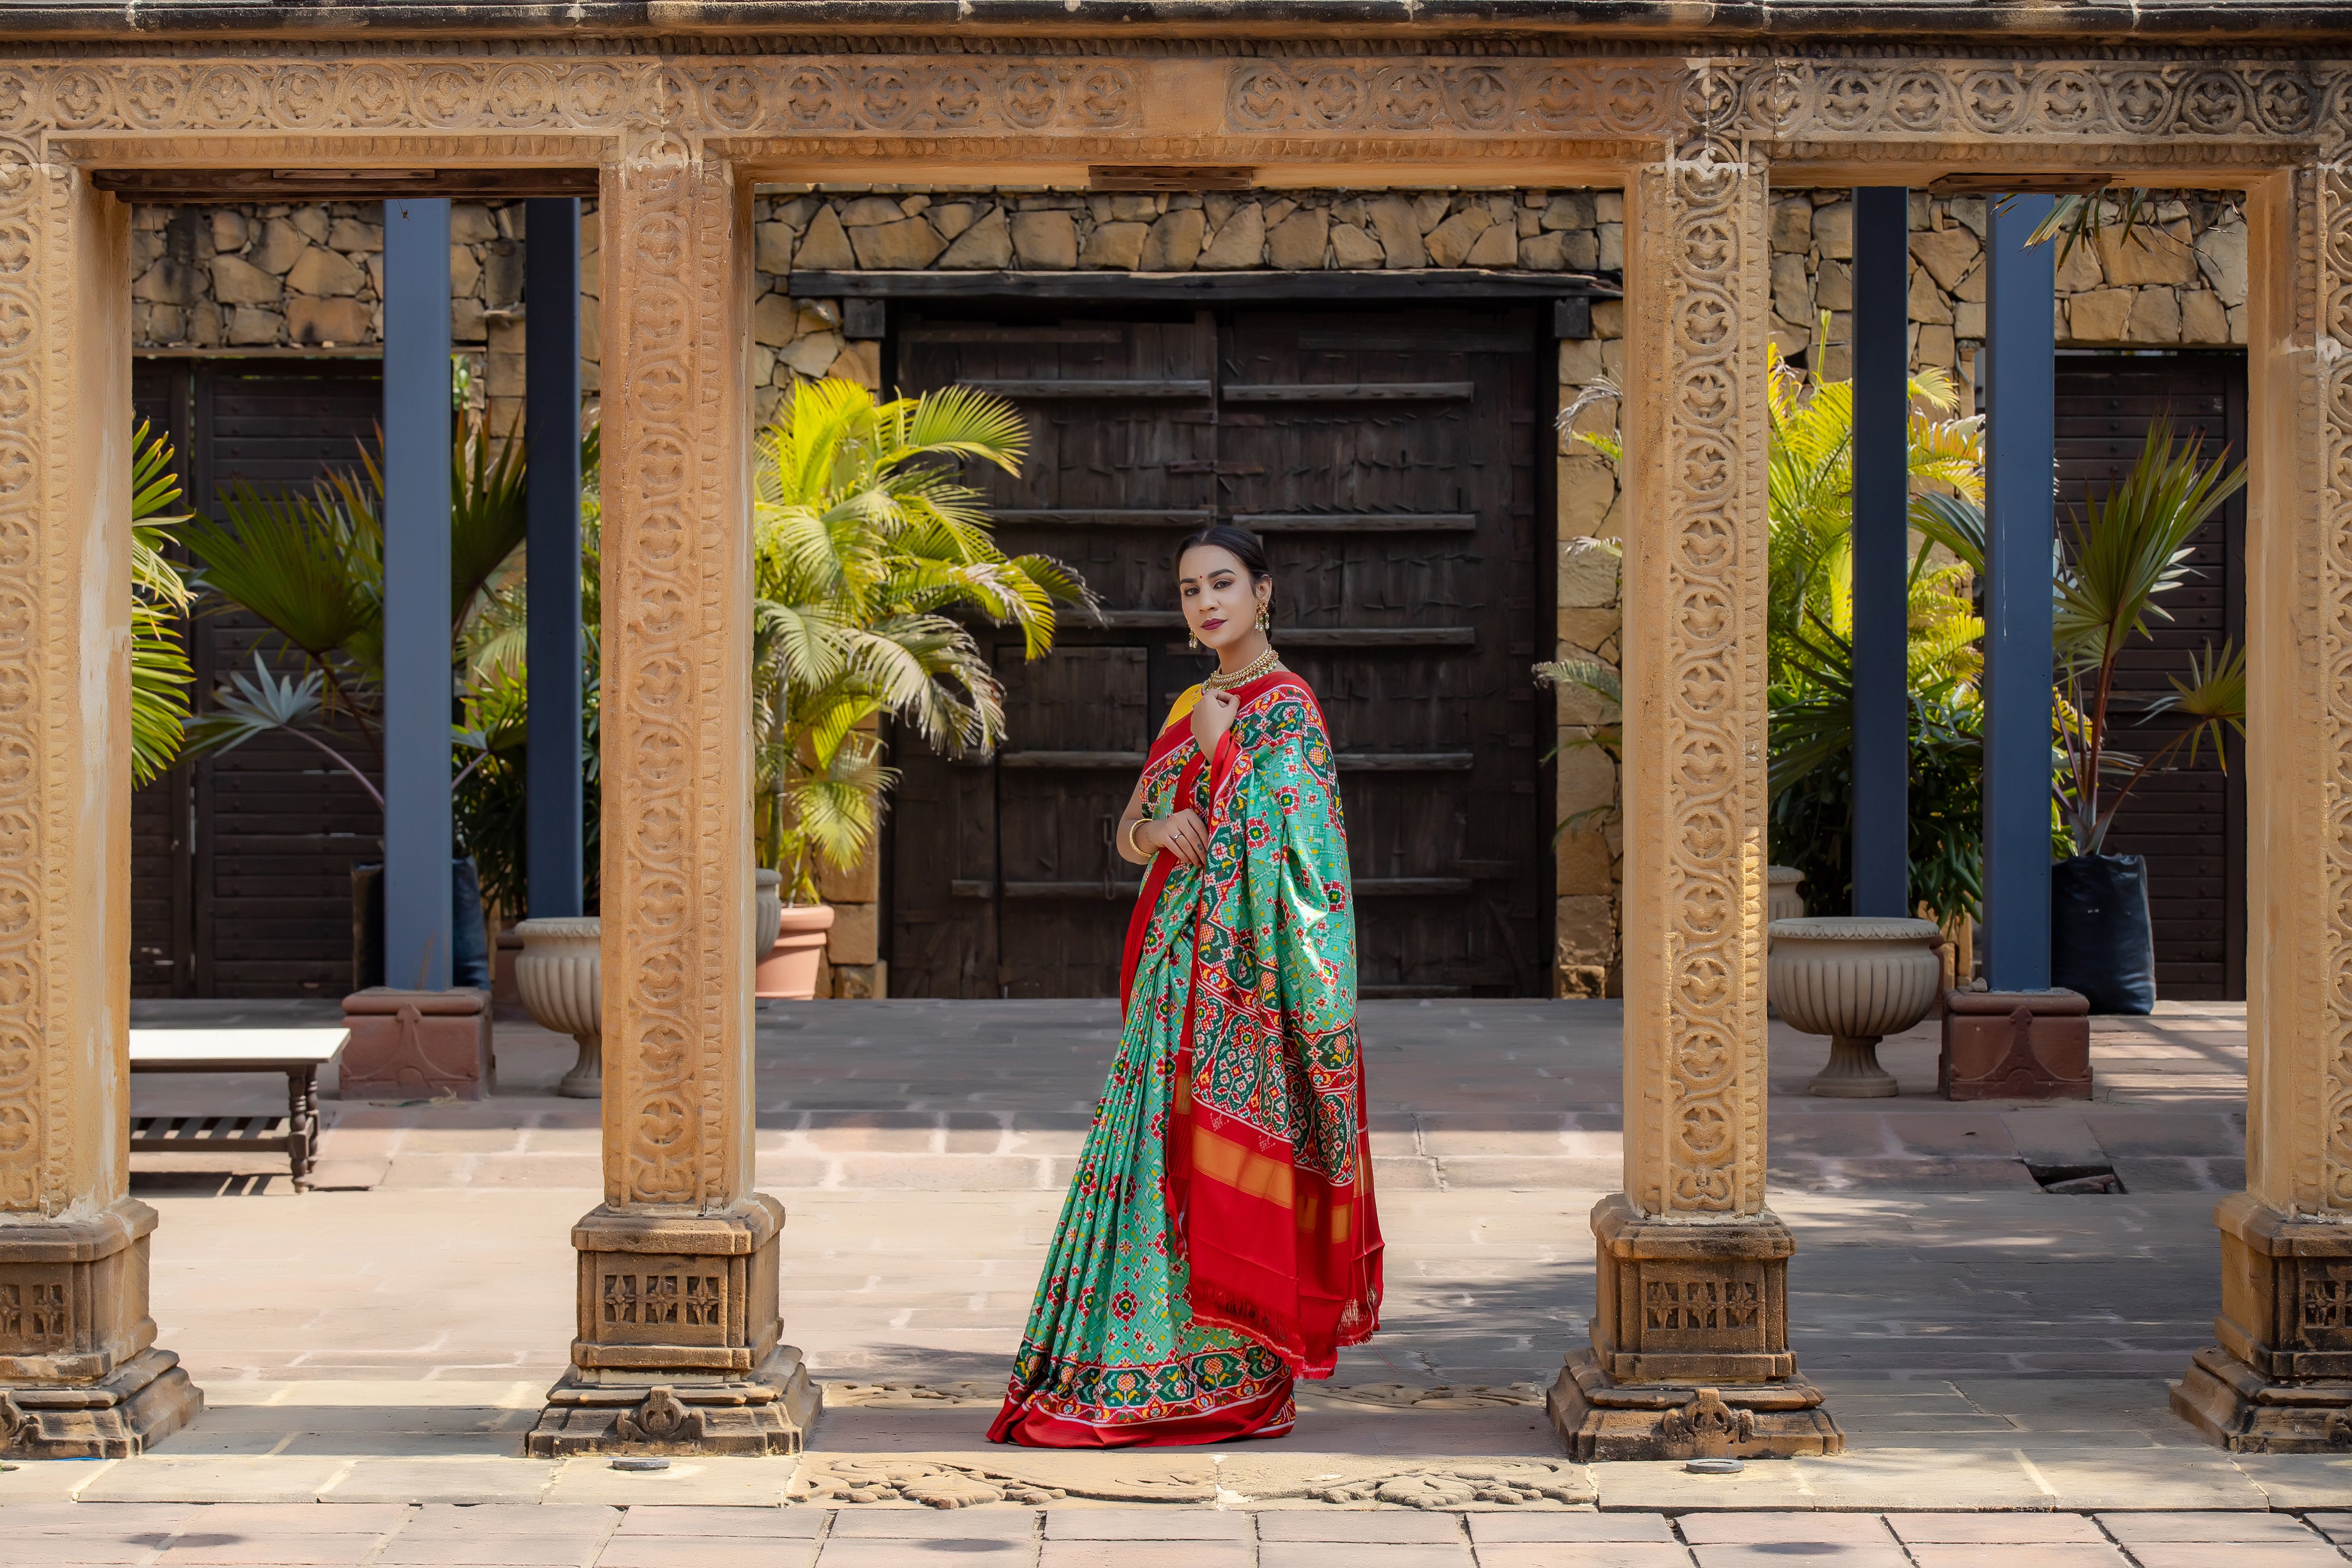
[(1219, 1238)]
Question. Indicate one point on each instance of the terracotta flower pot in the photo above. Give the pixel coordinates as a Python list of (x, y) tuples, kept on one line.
[(1857, 980), (766, 912), (790, 969), (560, 973)]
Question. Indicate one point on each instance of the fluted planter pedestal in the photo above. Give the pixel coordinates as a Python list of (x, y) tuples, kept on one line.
[(1857, 980), (560, 973), (766, 912)]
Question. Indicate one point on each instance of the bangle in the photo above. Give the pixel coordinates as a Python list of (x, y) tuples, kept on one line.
[(1132, 847)]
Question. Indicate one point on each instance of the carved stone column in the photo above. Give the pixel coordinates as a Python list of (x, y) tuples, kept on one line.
[(1690, 1335), (80, 1373), (2281, 1378), (679, 1343)]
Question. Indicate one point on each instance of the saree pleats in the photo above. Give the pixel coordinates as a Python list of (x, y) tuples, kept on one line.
[(1219, 1239)]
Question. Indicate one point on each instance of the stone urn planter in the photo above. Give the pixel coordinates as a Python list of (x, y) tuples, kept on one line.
[(788, 973), (1857, 980), (1782, 902), (560, 973), (767, 913)]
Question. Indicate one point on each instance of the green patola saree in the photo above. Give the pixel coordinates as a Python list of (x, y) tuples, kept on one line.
[(1219, 1239)]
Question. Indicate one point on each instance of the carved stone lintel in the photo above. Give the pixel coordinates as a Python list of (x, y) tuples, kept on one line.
[(2280, 1378), (1690, 1352)]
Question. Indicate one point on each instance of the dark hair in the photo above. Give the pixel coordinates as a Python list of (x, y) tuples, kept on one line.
[(1245, 546), (1229, 536)]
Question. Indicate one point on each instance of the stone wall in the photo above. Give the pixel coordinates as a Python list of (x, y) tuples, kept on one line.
[(291, 279)]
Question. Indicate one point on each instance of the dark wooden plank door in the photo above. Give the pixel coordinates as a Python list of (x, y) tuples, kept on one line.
[(2190, 824), (1388, 460), (241, 864)]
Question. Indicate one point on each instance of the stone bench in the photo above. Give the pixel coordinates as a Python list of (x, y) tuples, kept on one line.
[(297, 1053)]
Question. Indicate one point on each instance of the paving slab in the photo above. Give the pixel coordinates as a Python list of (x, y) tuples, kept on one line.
[(2239, 1554), (911, 1523), (473, 1478), (1146, 1524), (1327, 1554), (36, 1481), (1596, 1554), (721, 1523), (1788, 1529), (745, 1483), (1783, 1553), (2136, 1530), (861, 1552), (2033, 1554), (1183, 1553), (161, 1478), (1387, 1526), (704, 1552), (1489, 1529), (1917, 1530), (2128, 1480)]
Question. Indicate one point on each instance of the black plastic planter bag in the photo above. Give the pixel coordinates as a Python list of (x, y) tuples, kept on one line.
[(2100, 944)]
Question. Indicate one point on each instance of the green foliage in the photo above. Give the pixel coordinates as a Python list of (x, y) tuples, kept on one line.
[(867, 548), (160, 672), (489, 793), (1810, 631), (2128, 549), (310, 565)]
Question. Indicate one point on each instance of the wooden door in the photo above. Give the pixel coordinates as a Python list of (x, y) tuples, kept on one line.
[(1388, 460), (2190, 824), (241, 864)]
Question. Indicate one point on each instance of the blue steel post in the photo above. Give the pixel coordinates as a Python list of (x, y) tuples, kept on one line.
[(2020, 542), (417, 831), (1882, 358), (551, 361)]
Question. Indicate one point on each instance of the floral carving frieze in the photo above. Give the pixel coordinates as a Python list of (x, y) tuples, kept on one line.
[(1812, 100), (716, 97)]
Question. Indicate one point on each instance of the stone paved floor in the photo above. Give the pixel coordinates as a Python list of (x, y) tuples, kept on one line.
[(579, 1536), (1986, 1344)]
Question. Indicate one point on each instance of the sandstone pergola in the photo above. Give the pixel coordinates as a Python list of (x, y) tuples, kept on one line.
[(673, 113)]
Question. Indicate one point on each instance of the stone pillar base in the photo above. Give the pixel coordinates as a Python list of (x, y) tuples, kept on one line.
[(1690, 1353), (2280, 1378), (121, 1414), (769, 1412), (678, 1348), (79, 1374), (1601, 1418)]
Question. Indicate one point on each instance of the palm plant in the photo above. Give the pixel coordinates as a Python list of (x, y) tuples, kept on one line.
[(1809, 632), (2130, 546), (160, 672), (867, 548)]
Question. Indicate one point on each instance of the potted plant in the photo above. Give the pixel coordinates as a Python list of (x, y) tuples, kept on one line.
[(2128, 549), (866, 549)]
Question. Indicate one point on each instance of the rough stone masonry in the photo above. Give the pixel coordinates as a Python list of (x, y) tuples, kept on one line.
[(307, 278)]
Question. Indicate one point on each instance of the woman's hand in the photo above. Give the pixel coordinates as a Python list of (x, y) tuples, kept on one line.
[(1213, 715), (1182, 834)]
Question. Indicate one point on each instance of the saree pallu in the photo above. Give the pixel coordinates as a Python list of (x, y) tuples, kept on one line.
[(1219, 1239)]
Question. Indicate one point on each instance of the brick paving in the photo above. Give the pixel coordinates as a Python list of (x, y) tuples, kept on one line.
[(510, 1536)]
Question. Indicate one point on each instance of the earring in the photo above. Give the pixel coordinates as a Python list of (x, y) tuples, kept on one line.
[(1265, 621), (1193, 639)]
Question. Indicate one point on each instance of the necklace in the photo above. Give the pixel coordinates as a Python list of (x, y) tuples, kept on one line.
[(1263, 664)]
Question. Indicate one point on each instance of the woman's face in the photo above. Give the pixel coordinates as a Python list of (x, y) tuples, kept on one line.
[(1221, 604)]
